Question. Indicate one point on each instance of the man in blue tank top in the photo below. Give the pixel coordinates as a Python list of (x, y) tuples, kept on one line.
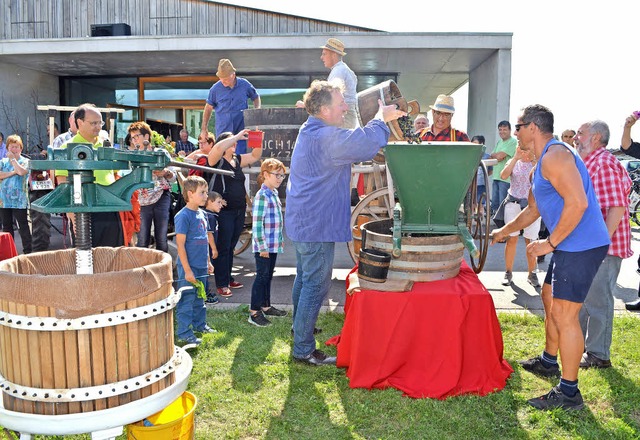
[(563, 195)]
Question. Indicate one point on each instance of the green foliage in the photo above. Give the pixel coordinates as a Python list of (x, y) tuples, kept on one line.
[(157, 140), (248, 388)]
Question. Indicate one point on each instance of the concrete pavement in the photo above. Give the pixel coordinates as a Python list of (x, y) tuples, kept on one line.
[(520, 296)]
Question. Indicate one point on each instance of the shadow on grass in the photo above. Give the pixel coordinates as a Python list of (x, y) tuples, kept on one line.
[(625, 408)]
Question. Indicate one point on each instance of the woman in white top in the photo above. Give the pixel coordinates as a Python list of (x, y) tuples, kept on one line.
[(519, 170)]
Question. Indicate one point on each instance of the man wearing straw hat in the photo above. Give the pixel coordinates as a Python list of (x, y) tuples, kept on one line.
[(442, 112), (332, 53), (228, 97)]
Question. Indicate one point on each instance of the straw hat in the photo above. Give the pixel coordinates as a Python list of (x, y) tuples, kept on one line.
[(444, 104), (225, 69), (334, 45)]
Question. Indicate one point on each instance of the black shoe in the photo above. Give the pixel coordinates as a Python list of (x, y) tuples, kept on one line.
[(258, 320), (316, 331), (272, 311), (317, 357), (633, 306), (212, 299), (557, 399), (592, 361), (541, 258), (534, 365)]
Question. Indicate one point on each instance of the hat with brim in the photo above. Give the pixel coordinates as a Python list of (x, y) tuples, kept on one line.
[(334, 45), (225, 69), (444, 104)]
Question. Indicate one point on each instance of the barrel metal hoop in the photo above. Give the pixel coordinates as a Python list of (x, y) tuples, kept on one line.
[(60, 395), (45, 323), (431, 248)]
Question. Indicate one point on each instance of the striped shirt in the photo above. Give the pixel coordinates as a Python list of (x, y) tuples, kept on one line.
[(267, 222), (612, 186)]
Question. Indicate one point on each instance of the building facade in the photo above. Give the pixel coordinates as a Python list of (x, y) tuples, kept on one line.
[(74, 51)]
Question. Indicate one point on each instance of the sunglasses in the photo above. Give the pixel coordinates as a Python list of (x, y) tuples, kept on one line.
[(519, 126)]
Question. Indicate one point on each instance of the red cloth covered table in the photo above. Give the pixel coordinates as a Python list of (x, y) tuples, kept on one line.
[(440, 339), (7, 246)]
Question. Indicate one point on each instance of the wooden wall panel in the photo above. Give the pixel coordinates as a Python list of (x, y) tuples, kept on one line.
[(28, 19)]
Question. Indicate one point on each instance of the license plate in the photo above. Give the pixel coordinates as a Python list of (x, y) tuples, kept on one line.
[(37, 185)]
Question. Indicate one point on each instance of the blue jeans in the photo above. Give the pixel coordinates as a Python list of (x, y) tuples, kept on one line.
[(230, 225), (158, 213), (191, 313), (498, 194), (314, 262), (261, 289), (596, 314)]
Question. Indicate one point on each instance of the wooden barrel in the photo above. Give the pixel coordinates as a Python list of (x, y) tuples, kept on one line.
[(389, 93), (80, 343), (280, 126), (424, 258)]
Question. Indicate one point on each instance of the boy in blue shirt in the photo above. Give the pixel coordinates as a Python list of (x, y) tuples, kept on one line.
[(192, 240)]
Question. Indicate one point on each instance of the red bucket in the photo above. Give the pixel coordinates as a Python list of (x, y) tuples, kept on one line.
[(255, 139)]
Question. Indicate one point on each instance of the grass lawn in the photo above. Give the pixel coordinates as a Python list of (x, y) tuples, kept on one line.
[(248, 388)]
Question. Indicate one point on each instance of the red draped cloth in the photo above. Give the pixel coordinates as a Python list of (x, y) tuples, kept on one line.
[(7, 246), (440, 339)]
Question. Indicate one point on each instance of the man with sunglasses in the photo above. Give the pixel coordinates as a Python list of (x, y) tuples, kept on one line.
[(563, 195)]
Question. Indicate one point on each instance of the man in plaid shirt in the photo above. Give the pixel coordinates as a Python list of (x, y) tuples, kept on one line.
[(612, 186)]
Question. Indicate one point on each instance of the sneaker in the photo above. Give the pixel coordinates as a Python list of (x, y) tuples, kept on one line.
[(592, 361), (272, 311), (235, 285), (533, 280), (508, 276), (258, 320), (535, 366), (224, 292), (541, 258), (212, 299), (316, 357), (206, 330), (557, 399), (191, 341)]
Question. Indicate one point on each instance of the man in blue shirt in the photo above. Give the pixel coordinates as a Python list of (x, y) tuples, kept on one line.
[(562, 194), (318, 201), (228, 97)]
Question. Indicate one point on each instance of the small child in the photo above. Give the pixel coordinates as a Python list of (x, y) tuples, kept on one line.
[(192, 239), (267, 240), (212, 208)]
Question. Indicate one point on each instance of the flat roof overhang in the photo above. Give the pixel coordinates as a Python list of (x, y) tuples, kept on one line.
[(426, 64)]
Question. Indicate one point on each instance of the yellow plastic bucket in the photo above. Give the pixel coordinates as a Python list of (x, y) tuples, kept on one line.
[(175, 422)]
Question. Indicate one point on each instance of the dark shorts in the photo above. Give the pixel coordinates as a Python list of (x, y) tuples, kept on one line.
[(571, 273)]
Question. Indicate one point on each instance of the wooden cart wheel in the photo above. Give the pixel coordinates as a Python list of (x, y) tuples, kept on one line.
[(375, 206), (244, 241), (245, 236), (479, 223)]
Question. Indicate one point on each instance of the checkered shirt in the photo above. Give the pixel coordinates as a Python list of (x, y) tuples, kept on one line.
[(612, 185), (267, 222)]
